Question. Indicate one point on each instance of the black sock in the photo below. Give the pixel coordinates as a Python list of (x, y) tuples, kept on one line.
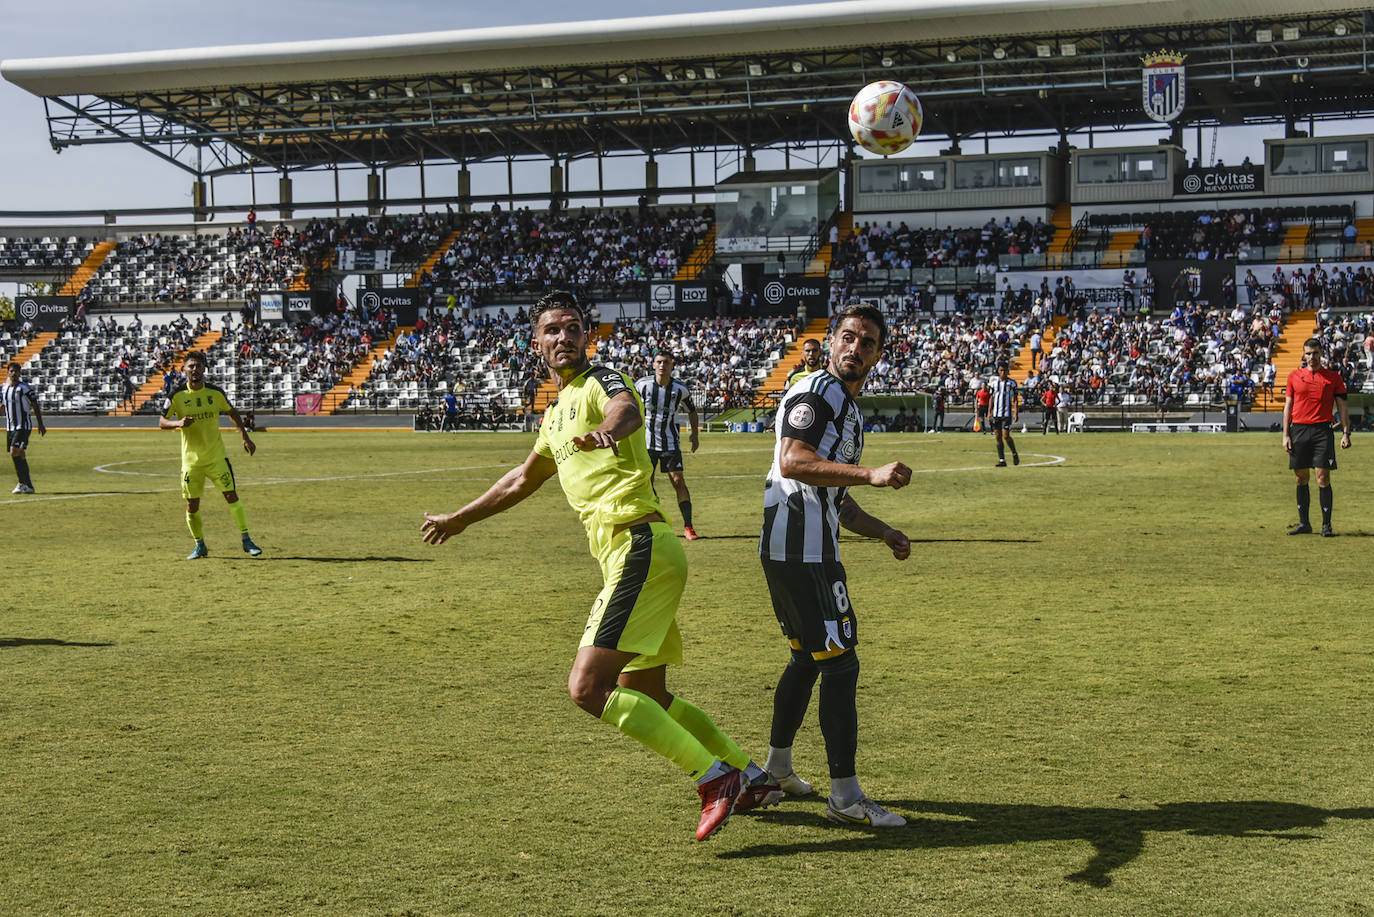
[(839, 712), (21, 467), (1001, 452), (686, 507), (792, 697), (1304, 500), (1324, 498)]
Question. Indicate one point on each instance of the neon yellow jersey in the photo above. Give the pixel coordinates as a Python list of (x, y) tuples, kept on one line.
[(603, 488), (797, 375), (200, 442)]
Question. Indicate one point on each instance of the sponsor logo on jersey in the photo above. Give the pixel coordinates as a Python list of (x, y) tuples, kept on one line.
[(801, 416)]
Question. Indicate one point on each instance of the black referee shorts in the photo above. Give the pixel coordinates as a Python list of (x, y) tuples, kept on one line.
[(811, 602), (1314, 446), (17, 439)]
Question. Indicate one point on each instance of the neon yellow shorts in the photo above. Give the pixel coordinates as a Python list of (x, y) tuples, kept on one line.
[(645, 570), (219, 472)]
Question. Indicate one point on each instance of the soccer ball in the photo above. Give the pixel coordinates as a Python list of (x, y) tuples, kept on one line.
[(885, 117)]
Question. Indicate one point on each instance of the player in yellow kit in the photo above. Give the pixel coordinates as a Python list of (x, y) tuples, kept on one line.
[(194, 409), (592, 436)]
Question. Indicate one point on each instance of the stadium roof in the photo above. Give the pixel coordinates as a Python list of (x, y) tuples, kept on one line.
[(745, 79)]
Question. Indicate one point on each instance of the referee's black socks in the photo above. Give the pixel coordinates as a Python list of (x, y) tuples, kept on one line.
[(686, 508), (1304, 501), (1324, 498)]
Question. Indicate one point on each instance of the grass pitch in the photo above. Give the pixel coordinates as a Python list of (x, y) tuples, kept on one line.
[(1106, 682)]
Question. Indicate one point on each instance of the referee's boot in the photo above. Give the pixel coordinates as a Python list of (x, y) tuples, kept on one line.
[(1302, 528)]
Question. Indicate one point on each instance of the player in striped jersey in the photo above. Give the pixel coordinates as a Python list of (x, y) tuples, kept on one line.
[(663, 396), (1004, 409), (806, 502), (18, 397)]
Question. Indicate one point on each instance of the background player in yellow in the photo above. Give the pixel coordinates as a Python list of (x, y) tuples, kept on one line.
[(194, 409), (592, 436)]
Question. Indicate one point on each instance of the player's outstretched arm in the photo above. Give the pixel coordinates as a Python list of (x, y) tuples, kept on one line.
[(168, 423), (800, 461), (622, 419), (514, 486), (859, 522)]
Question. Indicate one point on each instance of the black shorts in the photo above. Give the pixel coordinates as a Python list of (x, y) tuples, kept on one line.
[(666, 461), (17, 439), (1002, 424), (1314, 446), (811, 602)]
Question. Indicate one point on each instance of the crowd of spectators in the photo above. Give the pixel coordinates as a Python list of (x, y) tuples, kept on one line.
[(1195, 236), (883, 246), (721, 360), (606, 251), (1349, 338)]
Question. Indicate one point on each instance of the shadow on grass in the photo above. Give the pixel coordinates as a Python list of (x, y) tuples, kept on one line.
[(1117, 835), (42, 641), (348, 560)]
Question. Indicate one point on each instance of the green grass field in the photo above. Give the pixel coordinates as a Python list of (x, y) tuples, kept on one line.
[(1106, 684)]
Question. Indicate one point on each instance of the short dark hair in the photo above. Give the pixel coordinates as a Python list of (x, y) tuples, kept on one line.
[(556, 300), (197, 355), (867, 313), (14, 364), (1316, 344)]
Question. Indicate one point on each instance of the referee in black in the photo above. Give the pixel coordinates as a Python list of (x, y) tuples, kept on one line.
[(1003, 412), (18, 397), (1311, 394)]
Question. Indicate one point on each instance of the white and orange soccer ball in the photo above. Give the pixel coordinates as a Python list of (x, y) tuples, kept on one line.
[(885, 117)]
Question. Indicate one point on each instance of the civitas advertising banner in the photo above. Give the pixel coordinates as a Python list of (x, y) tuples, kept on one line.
[(403, 302), (1218, 181), (45, 313), (782, 295)]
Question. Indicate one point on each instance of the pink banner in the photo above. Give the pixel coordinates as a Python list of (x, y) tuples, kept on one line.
[(309, 404)]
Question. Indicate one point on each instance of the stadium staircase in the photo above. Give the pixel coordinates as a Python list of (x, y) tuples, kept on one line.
[(703, 254), (1021, 366), (87, 270), (776, 381), (336, 396), (1288, 352), (1062, 221), (1124, 241), (34, 347), (1296, 238), (548, 391), (153, 384), (303, 281), (820, 265), (433, 259)]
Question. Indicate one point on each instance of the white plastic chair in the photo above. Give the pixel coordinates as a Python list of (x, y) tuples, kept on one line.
[(1076, 420)]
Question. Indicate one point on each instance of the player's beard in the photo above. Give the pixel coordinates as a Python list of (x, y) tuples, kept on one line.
[(844, 374)]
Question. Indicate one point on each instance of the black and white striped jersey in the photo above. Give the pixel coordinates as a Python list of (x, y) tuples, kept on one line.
[(661, 404), (801, 522), (17, 400), (1003, 392)]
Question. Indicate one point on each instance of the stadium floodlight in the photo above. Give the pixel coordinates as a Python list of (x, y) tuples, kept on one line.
[(334, 94), (283, 99), (410, 92), (1340, 29), (1303, 62), (709, 72), (951, 56), (508, 85), (467, 89), (755, 69), (887, 60), (691, 74), (1068, 49), (314, 95), (798, 66), (372, 94), (999, 53), (624, 78), (1257, 81), (241, 99), (1043, 50), (546, 82), (1290, 33), (1264, 36), (215, 102)]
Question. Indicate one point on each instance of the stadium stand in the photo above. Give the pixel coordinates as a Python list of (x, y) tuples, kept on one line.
[(43, 252)]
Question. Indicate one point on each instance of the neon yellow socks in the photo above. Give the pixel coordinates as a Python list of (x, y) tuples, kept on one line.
[(240, 516), (642, 719), (694, 720), (197, 527)]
